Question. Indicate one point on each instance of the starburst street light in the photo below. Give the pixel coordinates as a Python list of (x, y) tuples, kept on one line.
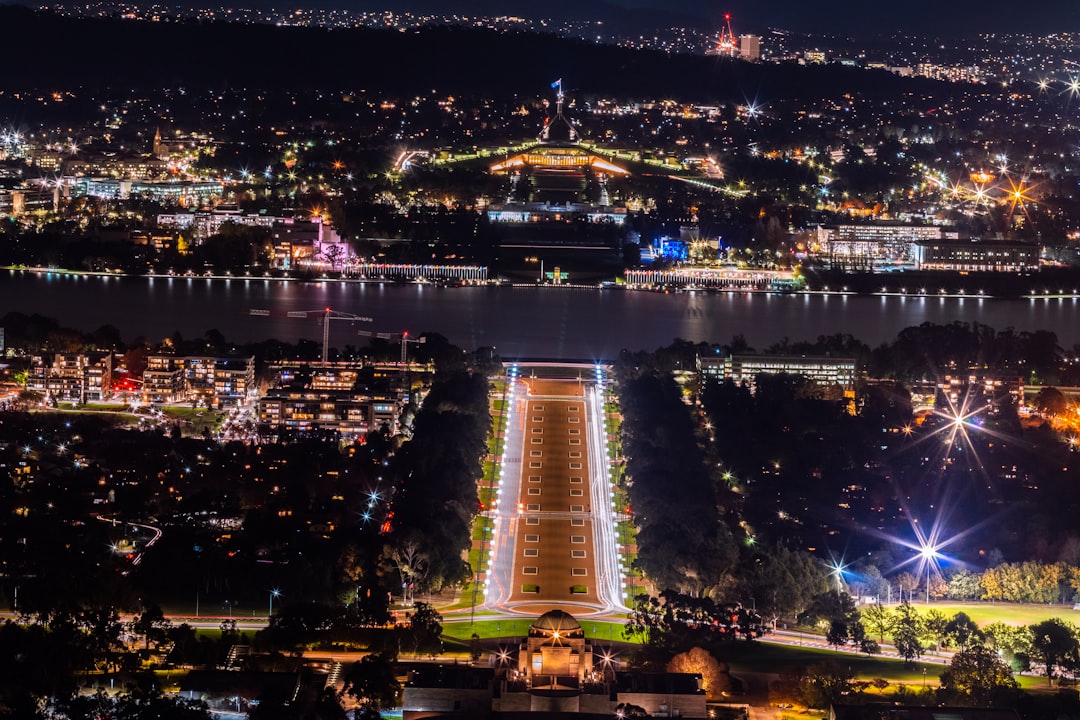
[(273, 594), (930, 557), (836, 569), (928, 546)]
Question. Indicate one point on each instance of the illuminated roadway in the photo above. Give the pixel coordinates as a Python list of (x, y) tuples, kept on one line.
[(554, 542), (605, 539)]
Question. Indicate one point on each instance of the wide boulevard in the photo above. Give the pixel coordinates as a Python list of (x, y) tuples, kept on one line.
[(554, 542)]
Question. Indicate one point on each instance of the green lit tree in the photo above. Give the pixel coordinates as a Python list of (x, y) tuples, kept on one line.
[(977, 676), (906, 633), (1054, 645)]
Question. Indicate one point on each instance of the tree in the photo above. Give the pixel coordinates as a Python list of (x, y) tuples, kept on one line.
[(936, 625), (334, 254), (877, 618), (963, 630), (832, 605), (1051, 402), (865, 644), (991, 582), (781, 581), (906, 633), (411, 565), (102, 628), (152, 625), (373, 682), (937, 586), (837, 634), (873, 582), (1072, 575), (134, 705), (964, 585), (826, 683), (1012, 641), (714, 678), (976, 676), (425, 629), (1054, 644), (907, 582), (475, 648)]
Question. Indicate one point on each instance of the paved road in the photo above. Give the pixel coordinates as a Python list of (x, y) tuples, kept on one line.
[(605, 544), (554, 533)]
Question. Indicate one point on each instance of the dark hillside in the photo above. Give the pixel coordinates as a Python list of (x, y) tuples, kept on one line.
[(50, 52)]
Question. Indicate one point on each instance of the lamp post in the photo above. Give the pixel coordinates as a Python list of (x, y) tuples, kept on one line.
[(837, 568), (273, 594), (929, 554)]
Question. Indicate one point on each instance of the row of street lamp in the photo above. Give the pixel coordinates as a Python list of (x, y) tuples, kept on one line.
[(929, 555)]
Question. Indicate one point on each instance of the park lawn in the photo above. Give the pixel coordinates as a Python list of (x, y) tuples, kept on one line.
[(465, 599), (481, 530), (122, 412), (986, 613), (200, 418), (1034, 683), (476, 562), (1009, 613), (485, 494), (519, 627), (767, 657), (802, 714), (98, 407)]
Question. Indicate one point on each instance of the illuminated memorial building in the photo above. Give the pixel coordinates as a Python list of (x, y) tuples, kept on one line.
[(554, 671), (558, 212)]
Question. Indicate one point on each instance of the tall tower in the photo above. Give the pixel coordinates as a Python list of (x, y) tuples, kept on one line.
[(564, 130), (158, 149), (750, 47)]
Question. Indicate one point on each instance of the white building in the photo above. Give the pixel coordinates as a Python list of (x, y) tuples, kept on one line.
[(874, 246), (750, 47), (824, 371)]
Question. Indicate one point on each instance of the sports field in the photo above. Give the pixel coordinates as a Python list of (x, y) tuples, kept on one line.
[(1009, 613)]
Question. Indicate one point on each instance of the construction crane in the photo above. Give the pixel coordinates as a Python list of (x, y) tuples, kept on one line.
[(401, 337), (404, 339), (328, 315), (727, 46)]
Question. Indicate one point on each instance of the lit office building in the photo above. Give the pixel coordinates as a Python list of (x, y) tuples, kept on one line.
[(72, 377), (976, 256), (824, 371), (750, 47), (209, 381), (874, 246)]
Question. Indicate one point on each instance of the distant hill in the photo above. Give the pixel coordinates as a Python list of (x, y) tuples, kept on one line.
[(118, 53), (590, 10)]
